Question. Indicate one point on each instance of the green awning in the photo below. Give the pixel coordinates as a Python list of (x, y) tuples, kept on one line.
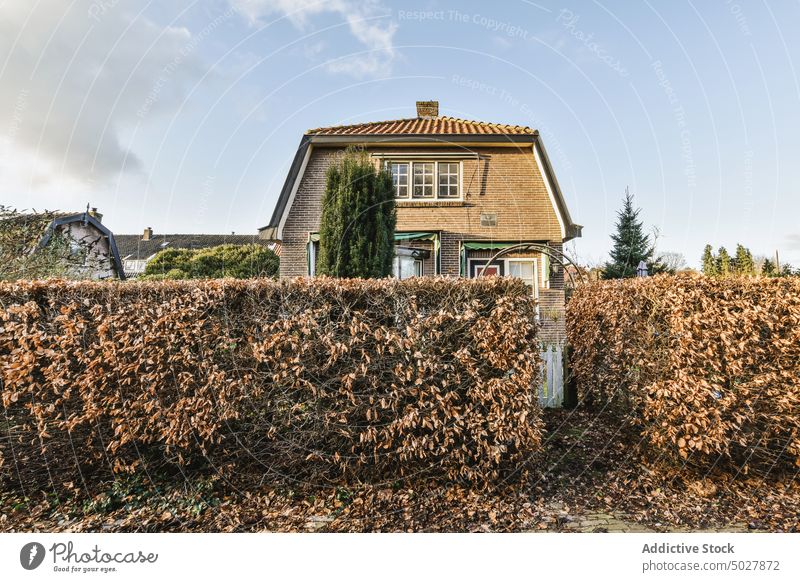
[(421, 235), (416, 235)]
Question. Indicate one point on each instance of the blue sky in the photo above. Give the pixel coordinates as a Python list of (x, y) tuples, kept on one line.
[(185, 116)]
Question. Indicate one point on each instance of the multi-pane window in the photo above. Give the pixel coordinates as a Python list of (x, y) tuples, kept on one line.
[(423, 179), (526, 271), (399, 171), (448, 179)]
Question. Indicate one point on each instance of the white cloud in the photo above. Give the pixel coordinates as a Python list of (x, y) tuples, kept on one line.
[(366, 21), (74, 79)]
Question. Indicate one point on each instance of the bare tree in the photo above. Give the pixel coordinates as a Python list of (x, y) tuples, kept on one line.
[(672, 261)]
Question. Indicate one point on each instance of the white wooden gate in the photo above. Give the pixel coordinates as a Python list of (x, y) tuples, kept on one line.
[(551, 387)]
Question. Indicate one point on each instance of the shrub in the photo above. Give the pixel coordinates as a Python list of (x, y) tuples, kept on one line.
[(320, 381), (708, 368), (238, 261)]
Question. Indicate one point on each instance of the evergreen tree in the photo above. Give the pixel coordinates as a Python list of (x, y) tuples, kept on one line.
[(744, 261), (709, 262), (723, 262), (768, 268), (356, 237), (631, 244)]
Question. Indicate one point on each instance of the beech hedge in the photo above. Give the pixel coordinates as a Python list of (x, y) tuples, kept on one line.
[(708, 368), (313, 381)]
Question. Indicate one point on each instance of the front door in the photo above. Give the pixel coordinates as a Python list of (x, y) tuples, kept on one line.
[(481, 268)]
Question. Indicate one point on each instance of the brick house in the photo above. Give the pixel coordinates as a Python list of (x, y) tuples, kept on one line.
[(465, 191)]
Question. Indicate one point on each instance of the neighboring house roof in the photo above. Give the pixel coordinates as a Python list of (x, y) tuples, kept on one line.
[(433, 129), (30, 227), (133, 247), (424, 126)]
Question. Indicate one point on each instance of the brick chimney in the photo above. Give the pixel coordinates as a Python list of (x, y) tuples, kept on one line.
[(148, 233), (427, 109)]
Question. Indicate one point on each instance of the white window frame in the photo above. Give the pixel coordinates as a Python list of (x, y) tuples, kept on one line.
[(535, 262), (435, 198), (408, 178), (419, 267), (433, 176), (449, 185)]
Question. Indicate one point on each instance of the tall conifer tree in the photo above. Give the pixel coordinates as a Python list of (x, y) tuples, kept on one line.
[(709, 262), (631, 244), (356, 237), (723, 262), (744, 261)]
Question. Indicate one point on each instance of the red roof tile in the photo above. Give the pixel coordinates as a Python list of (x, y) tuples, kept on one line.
[(423, 126)]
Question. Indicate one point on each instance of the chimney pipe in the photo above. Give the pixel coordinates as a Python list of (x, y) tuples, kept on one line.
[(96, 215), (148, 233)]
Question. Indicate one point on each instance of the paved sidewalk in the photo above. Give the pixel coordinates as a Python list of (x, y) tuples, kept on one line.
[(614, 523)]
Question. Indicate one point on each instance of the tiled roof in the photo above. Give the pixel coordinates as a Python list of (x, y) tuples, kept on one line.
[(442, 125), (131, 246)]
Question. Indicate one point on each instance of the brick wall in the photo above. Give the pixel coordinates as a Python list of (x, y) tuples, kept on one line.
[(305, 213), (505, 181)]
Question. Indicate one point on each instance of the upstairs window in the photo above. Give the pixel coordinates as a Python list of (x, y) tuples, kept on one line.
[(399, 171), (425, 180), (448, 179)]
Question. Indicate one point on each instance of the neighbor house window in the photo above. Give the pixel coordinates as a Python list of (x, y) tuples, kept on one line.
[(399, 171), (448, 179), (423, 179)]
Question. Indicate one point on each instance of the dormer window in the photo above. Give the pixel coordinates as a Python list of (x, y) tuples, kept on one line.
[(425, 180)]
